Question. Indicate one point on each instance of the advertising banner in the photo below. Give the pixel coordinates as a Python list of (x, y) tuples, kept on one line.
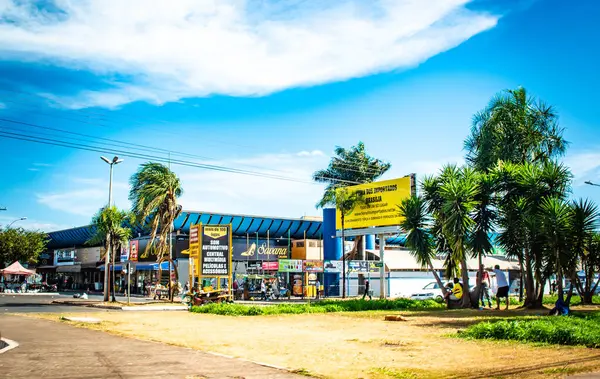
[(363, 266), (261, 250), (333, 267), (216, 251), (134, 247), (313, 266), (270, 266), (379, 206), (290, 265), (124, 253), (194, 242), (64, 257)]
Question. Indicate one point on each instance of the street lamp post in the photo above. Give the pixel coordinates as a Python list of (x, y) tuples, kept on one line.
[(17, 220), (592, 184), (114, 161)]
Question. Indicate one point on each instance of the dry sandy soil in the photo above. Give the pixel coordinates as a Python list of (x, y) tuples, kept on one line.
[(355, 345)]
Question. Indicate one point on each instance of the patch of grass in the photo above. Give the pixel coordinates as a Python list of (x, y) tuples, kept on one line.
[(575, 300), (570, 330), (326, 306)]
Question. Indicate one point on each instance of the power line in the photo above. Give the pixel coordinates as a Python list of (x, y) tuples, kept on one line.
[(101, 149)]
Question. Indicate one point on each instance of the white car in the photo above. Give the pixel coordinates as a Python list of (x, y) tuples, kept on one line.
[(430, 292)]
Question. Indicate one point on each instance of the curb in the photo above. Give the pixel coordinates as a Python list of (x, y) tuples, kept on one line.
[(10, 344)]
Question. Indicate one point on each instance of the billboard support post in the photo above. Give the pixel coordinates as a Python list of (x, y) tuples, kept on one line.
[(382, 294)]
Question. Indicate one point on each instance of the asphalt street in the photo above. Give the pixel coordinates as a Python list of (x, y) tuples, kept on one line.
[(15, 303)]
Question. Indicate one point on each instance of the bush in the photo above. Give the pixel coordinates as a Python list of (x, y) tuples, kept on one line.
[(326, 306), (568, 330)]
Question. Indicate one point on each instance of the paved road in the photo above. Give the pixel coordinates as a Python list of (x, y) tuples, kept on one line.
[(55, 350), (15, 303)]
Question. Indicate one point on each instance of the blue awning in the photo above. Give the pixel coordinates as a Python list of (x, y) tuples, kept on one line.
[(140, 266)]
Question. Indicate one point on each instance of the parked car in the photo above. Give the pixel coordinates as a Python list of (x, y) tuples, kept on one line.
[(431, 291)]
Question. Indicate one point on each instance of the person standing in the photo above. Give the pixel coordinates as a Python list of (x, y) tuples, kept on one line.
[(263, 290), (367, 290), (485, 287), (502, 286), (318, 287)]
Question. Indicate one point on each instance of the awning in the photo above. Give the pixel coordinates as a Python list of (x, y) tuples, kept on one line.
[(46, 268), (69, 269), (140, 266)]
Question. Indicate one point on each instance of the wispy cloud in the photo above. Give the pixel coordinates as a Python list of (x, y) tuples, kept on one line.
[(2, 105), (584, 166), (190, 48), (32, 224)]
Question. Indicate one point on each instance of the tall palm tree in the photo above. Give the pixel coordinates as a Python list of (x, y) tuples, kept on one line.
[(416, 224), (111, 230), (154, 192), (516, 128)]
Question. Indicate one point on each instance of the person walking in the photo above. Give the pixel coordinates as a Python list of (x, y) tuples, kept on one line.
[(502, 287), (367, 290), (485, 287)]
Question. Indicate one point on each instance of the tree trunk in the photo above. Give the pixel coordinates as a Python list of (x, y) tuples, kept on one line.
[(521, 279), (466, 299), (437, 279), (479, 283), (530, 292), (112, 287), (106, 270)]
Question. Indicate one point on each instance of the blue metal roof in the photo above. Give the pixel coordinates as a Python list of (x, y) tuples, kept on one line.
[(241, 225)]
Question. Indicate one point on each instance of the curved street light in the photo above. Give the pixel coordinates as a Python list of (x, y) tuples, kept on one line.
[(17, 220), (592, 184)]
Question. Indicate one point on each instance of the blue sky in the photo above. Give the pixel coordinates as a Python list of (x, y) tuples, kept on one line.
[(272, 87)]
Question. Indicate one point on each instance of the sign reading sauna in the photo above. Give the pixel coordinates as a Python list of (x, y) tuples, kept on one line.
[(216, 246)]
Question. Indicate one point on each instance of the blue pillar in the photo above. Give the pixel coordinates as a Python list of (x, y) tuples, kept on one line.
[(370, 242), (332, 250)]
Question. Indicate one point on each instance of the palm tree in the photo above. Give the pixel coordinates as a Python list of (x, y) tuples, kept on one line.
[(556, 217), (514, 128), (584, 240), (458, 191), (416, 225), (112, 231), (153, 194)]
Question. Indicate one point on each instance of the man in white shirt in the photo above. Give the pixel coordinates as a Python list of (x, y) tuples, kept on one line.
[(502, 286), (318, 288)]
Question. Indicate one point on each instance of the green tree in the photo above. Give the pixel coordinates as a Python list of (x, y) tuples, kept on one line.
[(154, 192), (515, 128), (112, 231), (17, 244), (417, 224), (585, 243)]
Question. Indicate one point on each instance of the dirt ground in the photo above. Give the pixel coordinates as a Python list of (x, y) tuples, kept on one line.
[(355, 345)]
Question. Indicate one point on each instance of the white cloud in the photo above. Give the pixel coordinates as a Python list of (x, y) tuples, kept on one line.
[(32, 224), (584, 166), (2, 105), (189, 48)]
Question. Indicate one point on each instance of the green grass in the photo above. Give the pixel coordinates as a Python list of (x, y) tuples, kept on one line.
[(326, 306), (583, 330)]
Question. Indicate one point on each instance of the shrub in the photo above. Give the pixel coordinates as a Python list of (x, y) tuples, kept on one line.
[(325, 306), (569, 330)]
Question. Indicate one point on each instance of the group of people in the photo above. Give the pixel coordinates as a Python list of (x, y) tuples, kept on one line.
[(455, 290)]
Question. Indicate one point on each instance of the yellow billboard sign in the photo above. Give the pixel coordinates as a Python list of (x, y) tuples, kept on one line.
[(379, 206)]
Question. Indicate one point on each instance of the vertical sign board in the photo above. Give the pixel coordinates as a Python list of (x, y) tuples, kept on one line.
[(194, 251), (216, 252)]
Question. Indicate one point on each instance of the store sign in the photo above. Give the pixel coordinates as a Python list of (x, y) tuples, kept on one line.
[(363, 267), (216, 251), (46, 259), (270, 266), (380, 204), (134, 247), (124, 253), (261, 250), (334, 267), (64, 257), (290, 265), (313, 266)]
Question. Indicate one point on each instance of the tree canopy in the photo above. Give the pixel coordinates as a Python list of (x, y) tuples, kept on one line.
[(17, 244)]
